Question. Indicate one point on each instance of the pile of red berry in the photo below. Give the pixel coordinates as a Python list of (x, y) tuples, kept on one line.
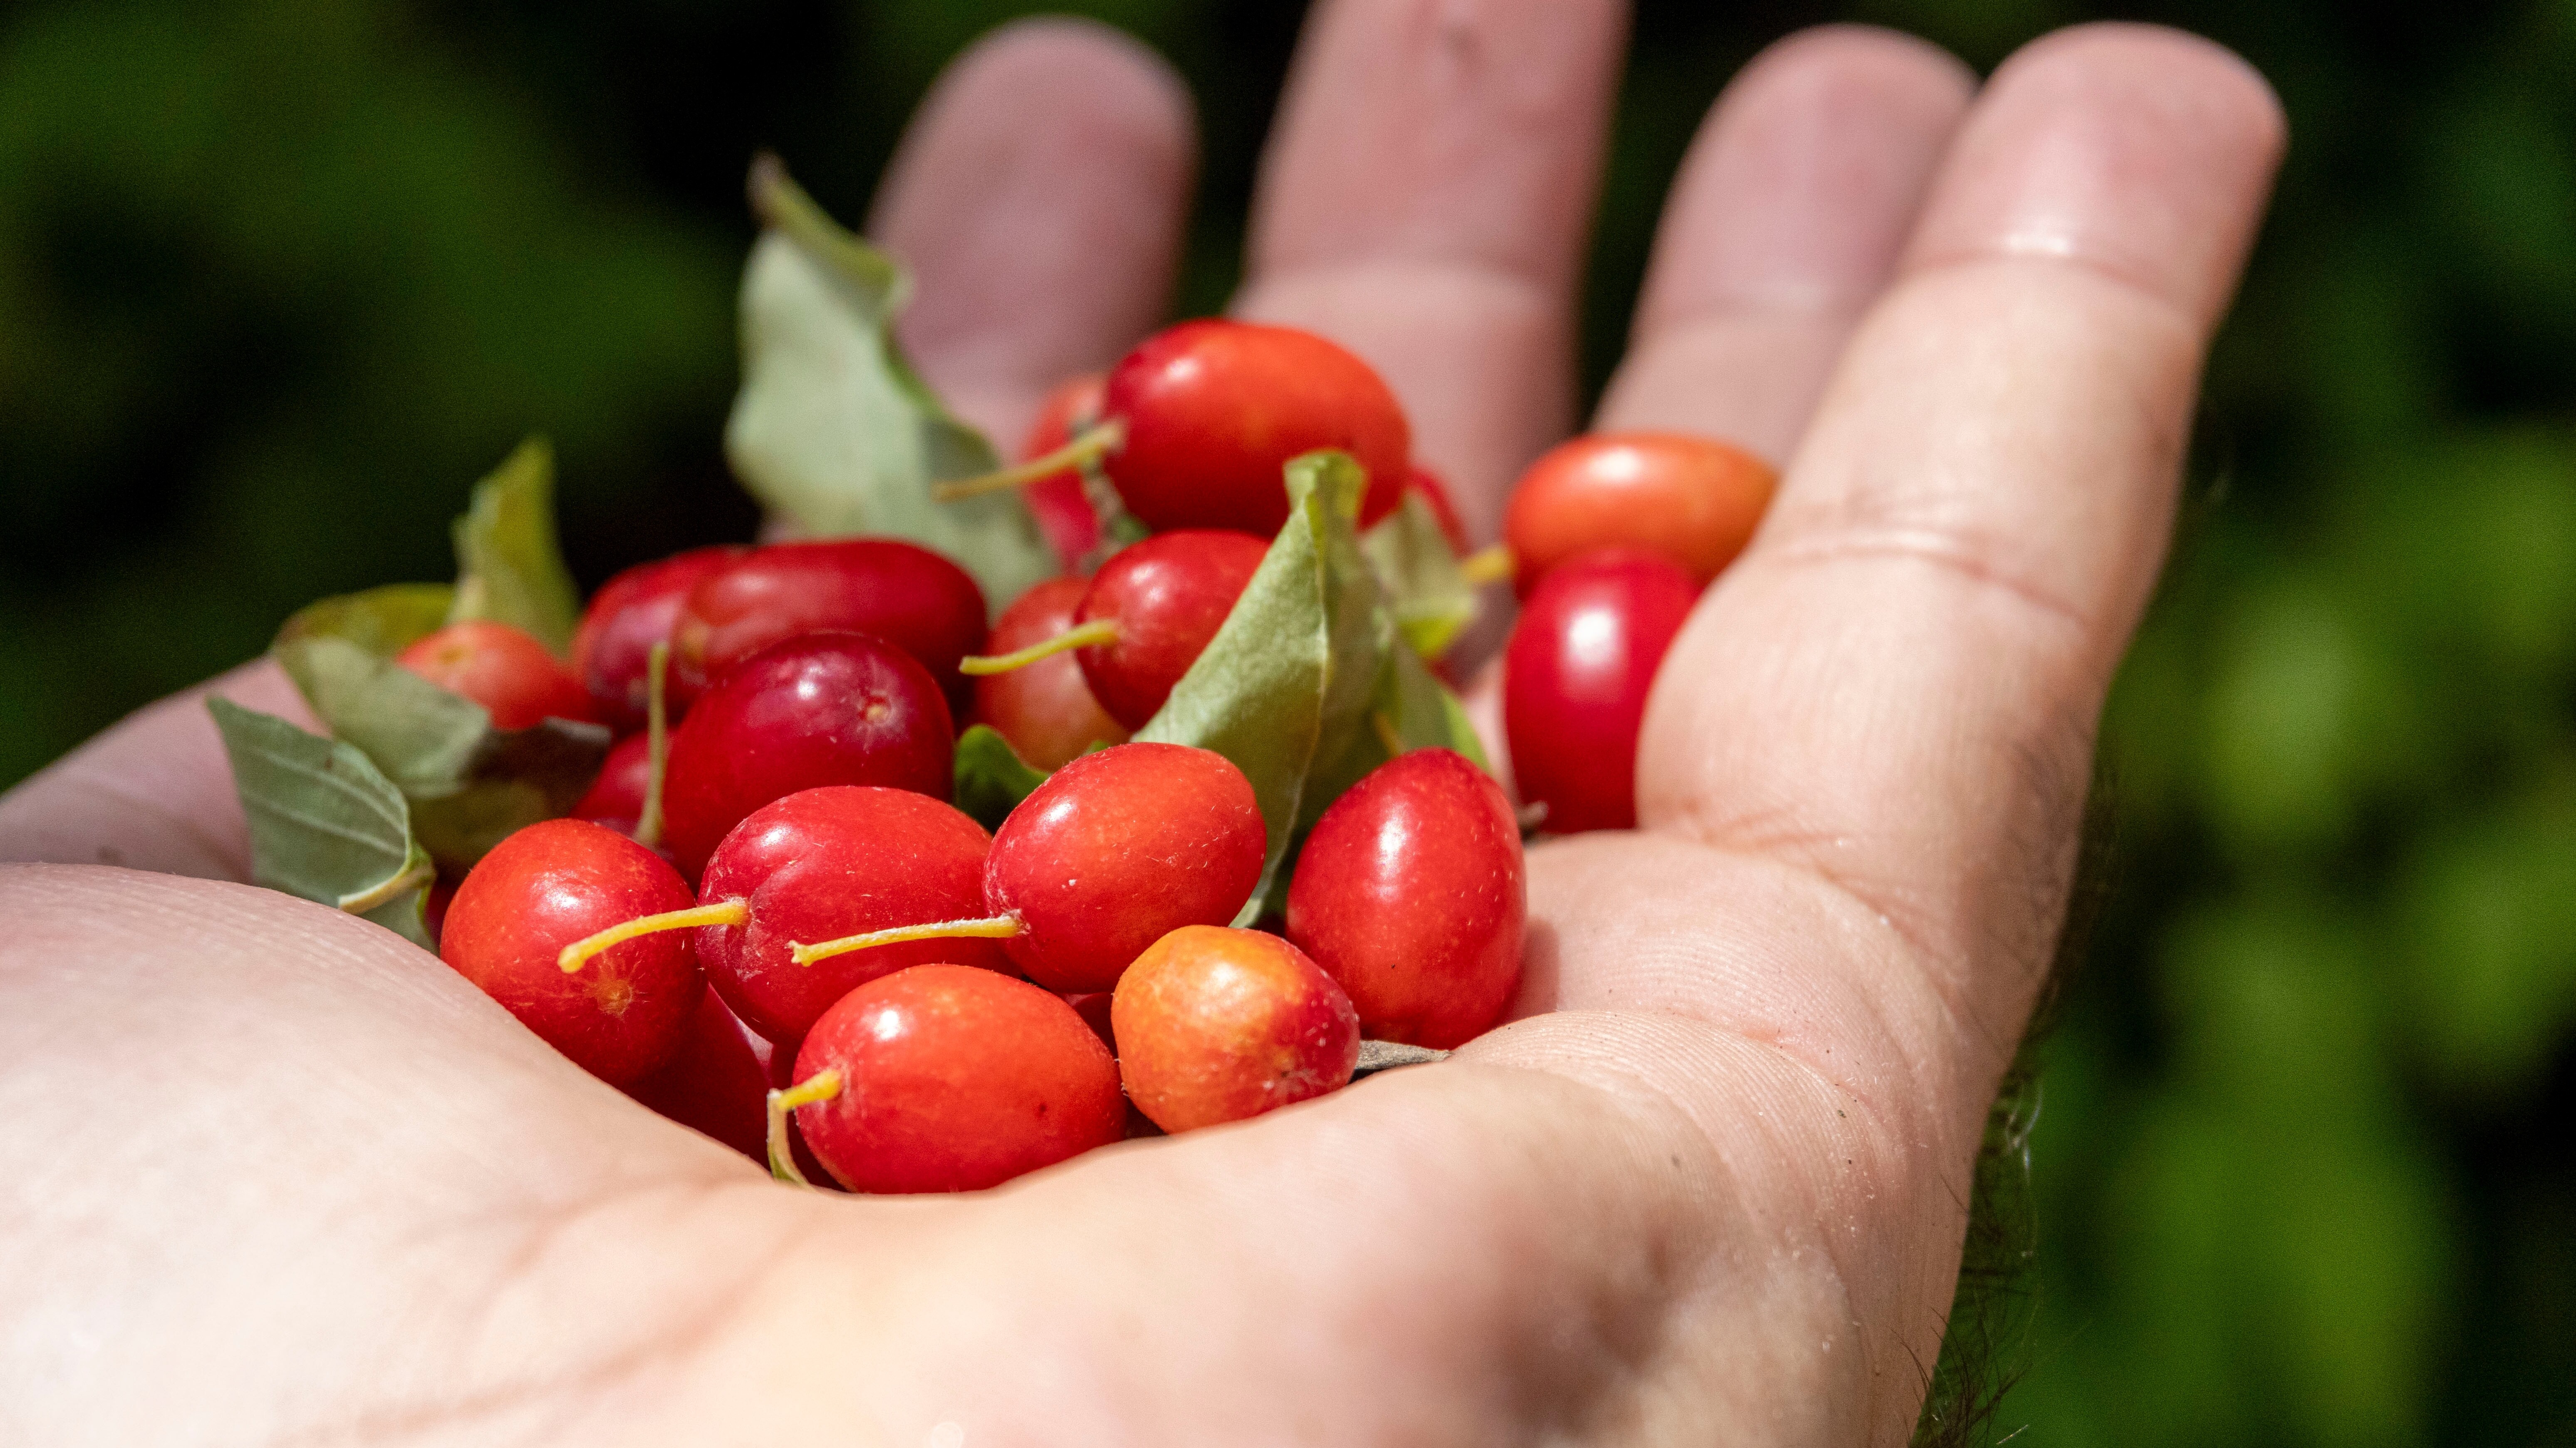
[(1194, 899)]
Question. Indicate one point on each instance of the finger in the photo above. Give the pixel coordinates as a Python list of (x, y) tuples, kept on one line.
[(1424, 202), (1039, 198), (1896, 688), (1783, 226), (153, 792)]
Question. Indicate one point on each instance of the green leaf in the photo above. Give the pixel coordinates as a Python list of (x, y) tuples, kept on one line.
[(1432, 601), (325, 823), (381, 620), (469, 785), (509, 566), (1264, 692), (832, 428), (992, 779)]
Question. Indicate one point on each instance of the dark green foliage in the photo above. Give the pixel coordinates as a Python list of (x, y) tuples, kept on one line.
[(278, 280)]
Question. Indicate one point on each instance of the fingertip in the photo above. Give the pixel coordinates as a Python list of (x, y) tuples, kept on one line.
[(2141, 150), (1806, 176), (1039, 196)]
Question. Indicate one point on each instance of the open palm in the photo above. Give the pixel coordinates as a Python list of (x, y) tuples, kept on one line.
[(278, 1177)]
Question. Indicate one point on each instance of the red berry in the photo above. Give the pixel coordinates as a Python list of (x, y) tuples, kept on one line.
[(1435, 494), (1093, 1007), (955, 1080), (1410, 893), (716, 1082), (1168, 596), (1214, 409), (1575, 677), (1217, 1025), (1117, 850), (829, 863), (903, 593), (827, 708), (629, 615), (1063, 510), (1693, 500), (621, 1015), (1045, 709), (616, 798), (501, 668)]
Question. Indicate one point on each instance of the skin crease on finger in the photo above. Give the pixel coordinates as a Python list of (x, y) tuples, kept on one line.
[(1716, 1197)]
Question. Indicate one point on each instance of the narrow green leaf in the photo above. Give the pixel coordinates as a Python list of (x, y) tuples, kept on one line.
[(325, 823), (509, 565), (470, 785), (380, 620), (1431, 600), (992, 779), (832, 428), (1308, 677), (1286, 682)]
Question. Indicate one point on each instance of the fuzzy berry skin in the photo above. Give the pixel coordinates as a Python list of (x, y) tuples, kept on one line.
[(1169, 595), (1057, 500), (717, 1081), (1575, 678), (1214, 410), (616, 798), (1693, 500), (1412, 894), (1117, 850), (612, 650), (829, 863), (501, 668), (1216, 1025), (901, 592), (955, 1080), (1046, 710), (824, 709), (621, 1016)]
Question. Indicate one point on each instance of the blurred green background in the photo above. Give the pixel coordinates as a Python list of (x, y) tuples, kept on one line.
[(277, 281)]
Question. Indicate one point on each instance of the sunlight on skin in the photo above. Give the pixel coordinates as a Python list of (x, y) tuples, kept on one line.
[(1708, 1185)]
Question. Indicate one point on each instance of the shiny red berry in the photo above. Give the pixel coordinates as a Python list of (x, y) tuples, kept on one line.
[(629, 615), (1575, 677), (501, 668), (1214, 409), (830, 863), (616, 798), (1693, 500), (905, 594), (1166, 597), (826, 708), (1046, 709), (954, 1080), (1062, 508), (1411, 893), (1118, 849), (622, 1014), (1217, 1025)]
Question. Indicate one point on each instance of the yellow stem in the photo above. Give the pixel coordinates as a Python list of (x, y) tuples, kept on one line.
[(1080, 636), (1487, 565), (821, 1086), (1000, 927), (361, 901), (1092, 445), (723, 912), (1387, 738), (657, 735)]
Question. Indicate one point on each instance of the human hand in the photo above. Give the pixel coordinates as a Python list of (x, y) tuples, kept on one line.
[(279, 1176)]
